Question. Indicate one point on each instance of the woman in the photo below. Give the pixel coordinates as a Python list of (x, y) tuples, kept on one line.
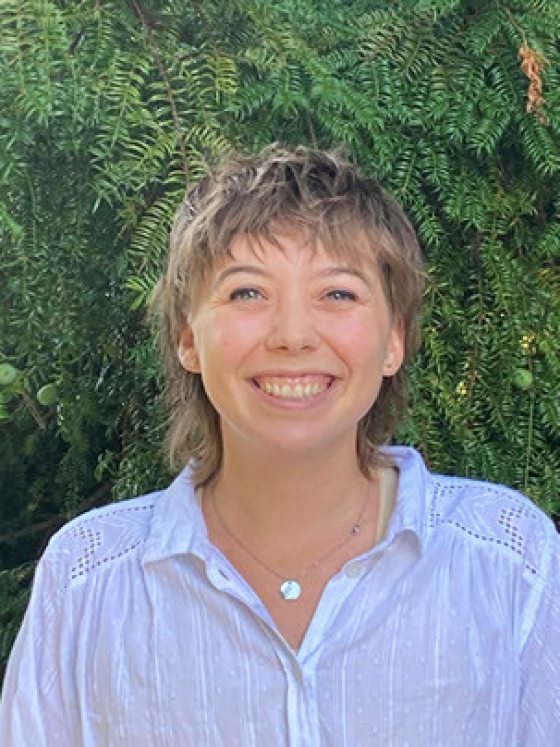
[(299, 583)]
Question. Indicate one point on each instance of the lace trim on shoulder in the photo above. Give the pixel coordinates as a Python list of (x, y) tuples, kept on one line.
[(102, 536), (507, 518)]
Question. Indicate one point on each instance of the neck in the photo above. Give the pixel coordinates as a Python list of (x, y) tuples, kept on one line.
[(286, 494)]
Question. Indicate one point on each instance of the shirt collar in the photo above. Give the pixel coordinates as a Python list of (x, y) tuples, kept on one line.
[(413, 494), (178, 525)]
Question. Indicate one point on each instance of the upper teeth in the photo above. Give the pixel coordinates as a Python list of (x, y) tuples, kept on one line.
[(298, 390)]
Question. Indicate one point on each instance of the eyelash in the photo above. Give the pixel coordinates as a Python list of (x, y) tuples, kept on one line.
[(241, 293), (346, 295), (338, 294)]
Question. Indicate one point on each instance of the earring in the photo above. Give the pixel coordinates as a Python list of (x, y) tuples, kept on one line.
[(389, 365)]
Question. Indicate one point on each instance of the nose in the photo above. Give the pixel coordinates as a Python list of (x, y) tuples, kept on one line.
[(292, 328)]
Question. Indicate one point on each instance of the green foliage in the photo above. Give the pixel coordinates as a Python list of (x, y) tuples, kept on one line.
[(111, 108)]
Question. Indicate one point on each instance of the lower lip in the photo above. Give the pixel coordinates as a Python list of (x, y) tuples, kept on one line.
[(299, 403)]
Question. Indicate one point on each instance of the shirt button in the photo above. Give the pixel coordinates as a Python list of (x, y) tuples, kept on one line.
[(354, 570)]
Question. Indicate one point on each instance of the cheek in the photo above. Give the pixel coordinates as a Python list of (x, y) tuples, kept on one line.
[(358, 342), (223, 339)]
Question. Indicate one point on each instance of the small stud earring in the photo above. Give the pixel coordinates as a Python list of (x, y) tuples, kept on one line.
[(389, 366)]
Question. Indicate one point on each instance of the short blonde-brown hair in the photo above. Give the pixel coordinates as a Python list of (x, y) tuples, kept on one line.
[(282, 190)]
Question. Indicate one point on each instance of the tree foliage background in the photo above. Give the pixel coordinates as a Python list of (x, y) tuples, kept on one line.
[(109, 108)]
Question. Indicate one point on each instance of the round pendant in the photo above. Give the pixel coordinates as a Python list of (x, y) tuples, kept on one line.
[(290, 590)]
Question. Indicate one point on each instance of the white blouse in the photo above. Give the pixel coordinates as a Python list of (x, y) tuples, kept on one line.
[(445, 634)]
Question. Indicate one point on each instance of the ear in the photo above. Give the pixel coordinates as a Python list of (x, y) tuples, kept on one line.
[(394, 353), (186, 352)]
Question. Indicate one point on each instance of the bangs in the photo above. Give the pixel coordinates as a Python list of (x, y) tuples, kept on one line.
[(337, 230)]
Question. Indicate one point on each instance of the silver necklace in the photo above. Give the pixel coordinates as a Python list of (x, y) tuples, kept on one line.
[(290, 587)]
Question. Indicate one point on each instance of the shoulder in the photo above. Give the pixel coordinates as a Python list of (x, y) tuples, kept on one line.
[(492, 515), (98, 539)]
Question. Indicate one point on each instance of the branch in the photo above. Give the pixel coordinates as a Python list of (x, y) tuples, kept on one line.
[(164, 76), (55, 522), (37, 417), (311, 130)]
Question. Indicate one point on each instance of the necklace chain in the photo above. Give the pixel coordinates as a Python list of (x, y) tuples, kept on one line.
[(290, 589)]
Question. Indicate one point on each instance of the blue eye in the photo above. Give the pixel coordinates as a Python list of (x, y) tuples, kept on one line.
[(245, 294), (342, 295)]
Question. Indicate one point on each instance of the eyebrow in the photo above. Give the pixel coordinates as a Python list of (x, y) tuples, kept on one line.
[(327, 272), (235, 269), (256, 270)]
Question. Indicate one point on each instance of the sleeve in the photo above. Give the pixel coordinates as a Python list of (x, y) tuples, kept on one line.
[(37, 707), (539, 716)]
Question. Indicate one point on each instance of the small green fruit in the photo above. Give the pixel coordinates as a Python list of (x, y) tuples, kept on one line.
[(48, 395), (522, 378), (8, 374), (6, 395)]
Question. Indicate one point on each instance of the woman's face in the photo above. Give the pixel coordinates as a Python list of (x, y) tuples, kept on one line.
[(292, 345)]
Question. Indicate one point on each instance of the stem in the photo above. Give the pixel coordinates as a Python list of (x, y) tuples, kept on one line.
[(311, 130), (517, 26), (165, 77), (529, 443), (37, 417)]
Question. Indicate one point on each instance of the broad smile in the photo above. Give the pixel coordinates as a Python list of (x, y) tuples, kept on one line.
[(295, 389)]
